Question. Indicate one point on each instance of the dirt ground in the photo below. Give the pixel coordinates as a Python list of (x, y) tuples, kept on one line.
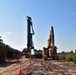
[(39, 67)]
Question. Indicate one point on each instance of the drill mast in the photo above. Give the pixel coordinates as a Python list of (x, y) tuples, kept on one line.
[(30, 32)]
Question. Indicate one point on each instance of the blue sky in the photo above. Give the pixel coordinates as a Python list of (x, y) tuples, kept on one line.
[(45, 13)]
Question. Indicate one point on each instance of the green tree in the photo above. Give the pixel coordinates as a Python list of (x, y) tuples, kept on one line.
[(24, 50), (71, 51), (63, 52)]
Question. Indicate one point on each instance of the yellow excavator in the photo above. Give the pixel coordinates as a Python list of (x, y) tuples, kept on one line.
[(51, 50)]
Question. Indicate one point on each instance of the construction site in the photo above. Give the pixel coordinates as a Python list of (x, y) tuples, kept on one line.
[(43, 62)]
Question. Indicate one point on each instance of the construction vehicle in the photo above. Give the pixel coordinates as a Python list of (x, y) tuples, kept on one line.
[(30, 33), (31, 51), (51, 50)]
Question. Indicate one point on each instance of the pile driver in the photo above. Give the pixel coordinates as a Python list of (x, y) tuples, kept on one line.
[(30, 33)]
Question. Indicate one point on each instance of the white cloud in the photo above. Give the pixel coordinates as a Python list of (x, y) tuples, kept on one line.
[(7, 33)]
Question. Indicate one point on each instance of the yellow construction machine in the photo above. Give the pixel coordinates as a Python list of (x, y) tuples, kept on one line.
[(51, 50)]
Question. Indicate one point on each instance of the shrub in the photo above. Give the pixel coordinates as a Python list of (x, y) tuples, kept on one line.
[(68, 56)]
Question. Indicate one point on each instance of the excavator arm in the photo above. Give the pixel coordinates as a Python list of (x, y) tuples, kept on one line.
[(49, 40)]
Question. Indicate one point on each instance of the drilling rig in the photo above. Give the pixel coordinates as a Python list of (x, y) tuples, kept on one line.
[(30, 33), (51, 50)]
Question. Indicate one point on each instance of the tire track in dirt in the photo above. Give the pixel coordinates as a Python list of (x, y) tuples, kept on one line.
[(40, 67), (14, 68)]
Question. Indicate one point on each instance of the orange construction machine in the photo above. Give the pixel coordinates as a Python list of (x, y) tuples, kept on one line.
[(51, 50)]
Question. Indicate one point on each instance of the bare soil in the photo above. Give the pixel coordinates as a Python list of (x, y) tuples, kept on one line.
[(39, 67), (50, 67)]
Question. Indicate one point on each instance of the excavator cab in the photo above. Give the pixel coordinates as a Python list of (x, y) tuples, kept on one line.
[(53, 52)]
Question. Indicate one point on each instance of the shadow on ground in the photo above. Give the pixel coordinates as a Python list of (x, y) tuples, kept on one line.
[(8, 63)]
